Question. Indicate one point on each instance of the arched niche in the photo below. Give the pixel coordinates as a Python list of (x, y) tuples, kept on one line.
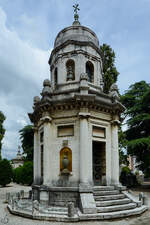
[(70, 69), (66, 158), (90, 71), (55, 77)]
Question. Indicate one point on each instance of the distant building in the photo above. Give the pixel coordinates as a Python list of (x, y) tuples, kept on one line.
[(132, 162), (133, 165), (18, 161)]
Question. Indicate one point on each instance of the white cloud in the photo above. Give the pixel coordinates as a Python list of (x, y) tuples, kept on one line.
[(124, 25), (22, 71)]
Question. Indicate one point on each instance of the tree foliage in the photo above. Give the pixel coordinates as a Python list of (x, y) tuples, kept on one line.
[(2, 130), (127, 178), (122, 148), (5, 172), (110, 73), (26, 136), (24, 174), (137, 103)]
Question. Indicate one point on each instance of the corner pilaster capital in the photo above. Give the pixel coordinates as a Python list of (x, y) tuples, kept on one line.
[(84, 115), (35, 129), (84, 76), (46, 119), (115, 122)]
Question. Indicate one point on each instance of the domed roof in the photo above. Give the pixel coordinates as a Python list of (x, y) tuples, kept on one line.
[(76, 32)]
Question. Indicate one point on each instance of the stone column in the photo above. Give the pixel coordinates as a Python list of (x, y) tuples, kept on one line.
[(108, 155), (47, 171), (35, 156), (85, 153), (115, 152)]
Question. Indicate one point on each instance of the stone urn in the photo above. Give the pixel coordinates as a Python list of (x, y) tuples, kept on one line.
[(65, 163)]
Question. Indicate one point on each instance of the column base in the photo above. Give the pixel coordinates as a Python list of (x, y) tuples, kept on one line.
[(120, 187), (85, 188)]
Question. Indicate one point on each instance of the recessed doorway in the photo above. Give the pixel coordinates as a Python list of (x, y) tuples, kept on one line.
[(99, 163)]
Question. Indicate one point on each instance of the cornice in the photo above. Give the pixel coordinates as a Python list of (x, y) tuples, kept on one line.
[(115, 122), (74, 52), (79, 43), (76, 103), (83, 115)]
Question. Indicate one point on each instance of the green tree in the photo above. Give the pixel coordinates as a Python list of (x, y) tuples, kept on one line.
[(137, 103), (17, 175), (2, 130), (24, 174), (122, 148), (26, 136), (6, 172), (110, 73), (27, 173)]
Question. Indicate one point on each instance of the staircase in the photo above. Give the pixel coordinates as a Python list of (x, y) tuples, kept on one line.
[(111, 203)]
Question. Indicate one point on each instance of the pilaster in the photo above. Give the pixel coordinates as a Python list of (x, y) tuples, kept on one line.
[(85, 153), (115, 152), (36, 157), (108, 155), (47, 153)]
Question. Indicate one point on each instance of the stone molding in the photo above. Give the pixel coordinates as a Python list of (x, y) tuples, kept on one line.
[(76, 27), (72, 53), (115, 122), (85, 188), (68, 122), (75, 103), (100, 124), (83, 76), (75, 52), (46, 119), (84, 115), (79, 43)]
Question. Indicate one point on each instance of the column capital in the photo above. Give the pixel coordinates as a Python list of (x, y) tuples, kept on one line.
[(35, 129), (84, 115), (46, 119), (115, 122)]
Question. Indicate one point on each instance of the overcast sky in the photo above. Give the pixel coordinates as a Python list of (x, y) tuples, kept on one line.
[(27, 32)]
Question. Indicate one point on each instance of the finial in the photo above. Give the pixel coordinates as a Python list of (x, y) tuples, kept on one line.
[(19, 148), (76, 15)]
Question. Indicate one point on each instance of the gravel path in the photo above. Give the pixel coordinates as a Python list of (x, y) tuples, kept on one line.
[(16, 220)]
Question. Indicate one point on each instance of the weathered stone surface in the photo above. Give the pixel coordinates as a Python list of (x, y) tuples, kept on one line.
[(116, 208), (71, 209), (113, 202), (109, 197), (87, 203), (99, 193), (103, 188)]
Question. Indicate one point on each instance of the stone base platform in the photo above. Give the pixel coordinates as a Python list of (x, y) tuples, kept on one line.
[(103, 203), (63, 217)]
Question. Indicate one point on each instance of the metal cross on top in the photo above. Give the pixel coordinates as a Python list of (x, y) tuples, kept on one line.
[(76, 9)]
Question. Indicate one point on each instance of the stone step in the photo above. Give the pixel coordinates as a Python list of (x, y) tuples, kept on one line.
[(109, 197), (103, 188), (101, 193), (116, 208), (113, 202), (113, 215), (54, 210)]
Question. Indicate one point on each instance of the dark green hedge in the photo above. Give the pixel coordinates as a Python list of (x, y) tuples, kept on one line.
[(24, 174)]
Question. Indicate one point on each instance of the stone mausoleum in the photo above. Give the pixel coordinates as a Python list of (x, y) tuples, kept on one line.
[(75, 123), (76, 157)]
